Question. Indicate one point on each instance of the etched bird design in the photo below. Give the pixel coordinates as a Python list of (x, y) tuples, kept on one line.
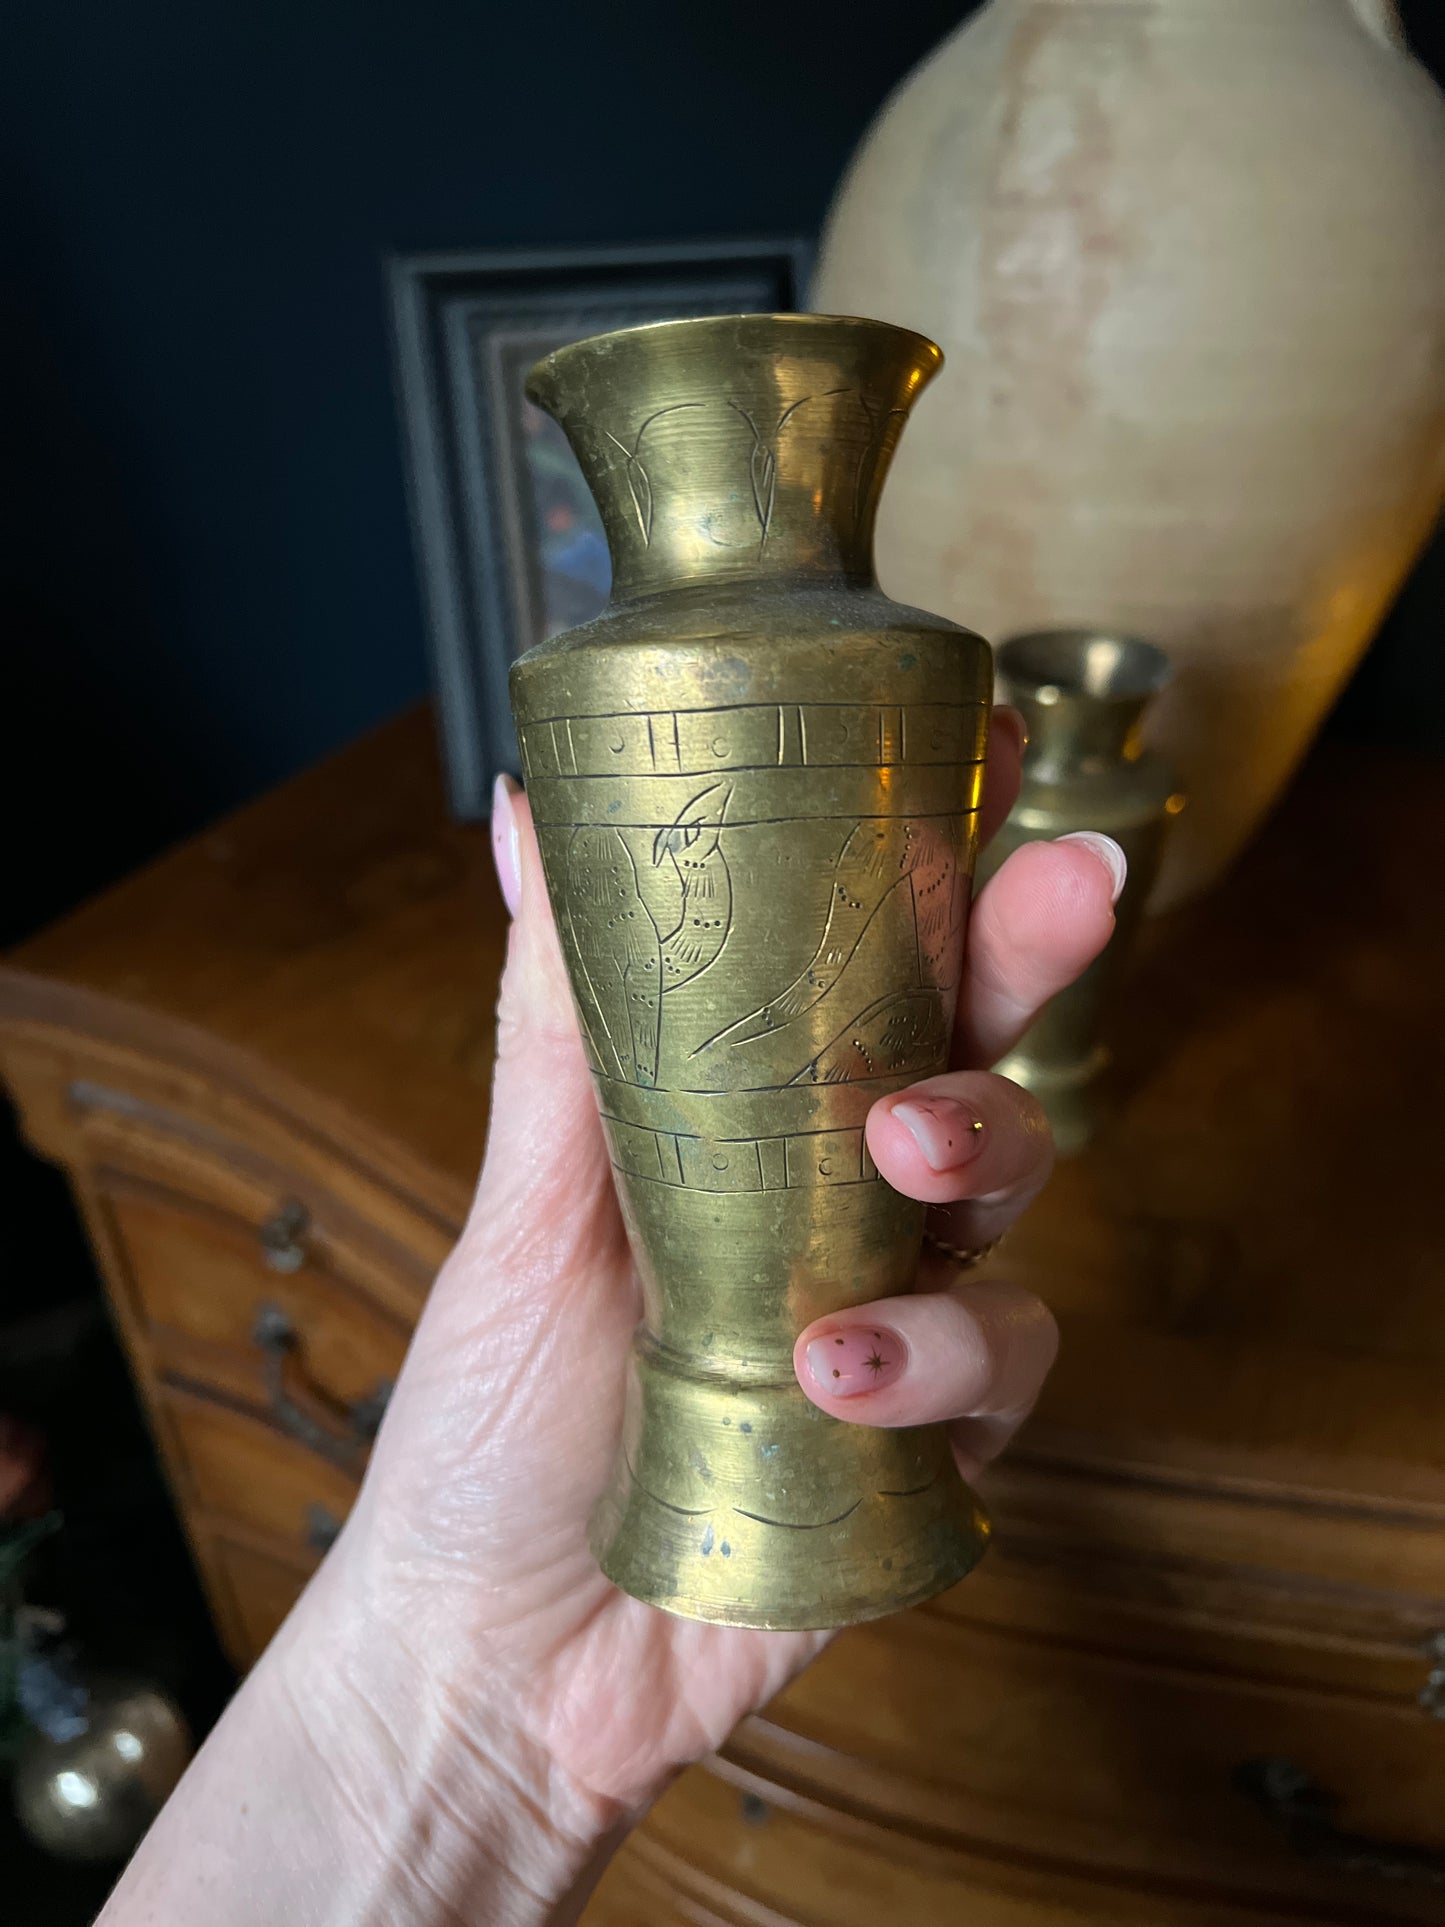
[(648, 913), (902, 1035), (690, 848), (940, 900), (618, 956), (878, 857)]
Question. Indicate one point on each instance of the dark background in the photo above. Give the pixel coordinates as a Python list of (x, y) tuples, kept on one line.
[(205, 571)]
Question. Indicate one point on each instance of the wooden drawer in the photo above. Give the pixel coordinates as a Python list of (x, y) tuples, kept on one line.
[(97, 1109), (266, 1316), (214, 1310), (940, 1729), (234, 1468), (724, 1849), (739, 1852), (237, 1167), (254, 1590)]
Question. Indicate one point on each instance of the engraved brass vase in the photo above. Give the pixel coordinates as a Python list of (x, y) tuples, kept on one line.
[(755, 781), (1084, 695)]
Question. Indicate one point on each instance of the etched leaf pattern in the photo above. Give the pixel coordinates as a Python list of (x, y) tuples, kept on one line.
[(762, 455), (639, 482)]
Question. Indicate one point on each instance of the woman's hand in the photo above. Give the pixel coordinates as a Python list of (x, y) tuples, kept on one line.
[(462, 1708)]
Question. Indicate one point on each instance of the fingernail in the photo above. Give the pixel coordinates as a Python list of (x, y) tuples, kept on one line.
[(506, 846), (948, 1133), (1108, 853), (857, 1359), (1012, 720)]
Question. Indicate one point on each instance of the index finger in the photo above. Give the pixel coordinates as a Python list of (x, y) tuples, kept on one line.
[(1038, 924)]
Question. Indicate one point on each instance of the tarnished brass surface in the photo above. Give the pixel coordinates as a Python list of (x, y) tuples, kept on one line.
[(755, 781), (1083, 695)]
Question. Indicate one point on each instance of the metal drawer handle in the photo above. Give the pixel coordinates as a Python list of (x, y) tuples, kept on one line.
[(1432, 1693), (323, 1528), (347, 1440), (1304, 1810), (280, 1237)]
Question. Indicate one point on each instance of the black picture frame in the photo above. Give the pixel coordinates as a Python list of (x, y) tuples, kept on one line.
[(486, 473)]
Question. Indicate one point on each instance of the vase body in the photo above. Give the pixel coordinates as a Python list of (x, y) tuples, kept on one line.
[(1084, 696), (754, 781), (1187, 261)]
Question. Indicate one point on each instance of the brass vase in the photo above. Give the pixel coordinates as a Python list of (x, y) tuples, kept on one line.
[(1084, 696), (755, 783)]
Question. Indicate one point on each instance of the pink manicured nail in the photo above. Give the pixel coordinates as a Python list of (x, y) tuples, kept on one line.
[(506, 848), (1012, 721), (856, 1359), (1108, 853), (948, 1133)]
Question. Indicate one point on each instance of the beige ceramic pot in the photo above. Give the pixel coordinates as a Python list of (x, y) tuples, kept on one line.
[(1186, 259)]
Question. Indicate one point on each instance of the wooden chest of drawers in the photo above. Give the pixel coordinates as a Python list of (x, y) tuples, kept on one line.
[(1217, 1600), (265, 1311)]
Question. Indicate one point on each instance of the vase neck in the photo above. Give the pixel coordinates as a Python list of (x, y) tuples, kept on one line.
[(725, 448), (1083, 695)]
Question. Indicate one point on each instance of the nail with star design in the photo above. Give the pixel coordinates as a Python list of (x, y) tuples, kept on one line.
[(855, 1358)]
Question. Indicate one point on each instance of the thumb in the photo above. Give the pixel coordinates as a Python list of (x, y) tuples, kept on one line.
[(545, 1148)]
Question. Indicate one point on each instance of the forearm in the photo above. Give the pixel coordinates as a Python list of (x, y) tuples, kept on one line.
[(345, 1786)]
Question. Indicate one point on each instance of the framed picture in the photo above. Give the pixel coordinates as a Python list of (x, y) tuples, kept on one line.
[(509, 545)]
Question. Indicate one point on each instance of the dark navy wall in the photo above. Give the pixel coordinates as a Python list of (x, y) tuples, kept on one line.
[(207, 576), (205, 573)]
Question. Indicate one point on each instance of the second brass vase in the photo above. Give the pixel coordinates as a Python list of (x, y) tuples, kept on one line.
[(755, 783), (1084, 696)]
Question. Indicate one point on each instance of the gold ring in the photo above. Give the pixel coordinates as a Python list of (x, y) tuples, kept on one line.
[(964, 1259)]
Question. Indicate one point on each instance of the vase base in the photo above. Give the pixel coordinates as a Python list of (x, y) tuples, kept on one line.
[(731, 1568)]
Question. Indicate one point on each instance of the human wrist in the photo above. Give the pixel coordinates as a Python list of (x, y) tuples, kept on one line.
[(453, 1809), (350, 1785)]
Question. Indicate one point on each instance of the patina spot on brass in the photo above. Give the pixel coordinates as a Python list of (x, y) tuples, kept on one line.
[(755, 783)]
